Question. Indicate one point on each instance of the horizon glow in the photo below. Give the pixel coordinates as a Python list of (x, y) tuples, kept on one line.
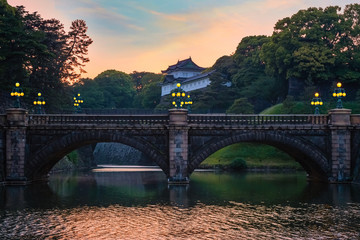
[(150, 35)]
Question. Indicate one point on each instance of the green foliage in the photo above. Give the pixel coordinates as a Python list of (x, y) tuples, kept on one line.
[(238, 164), (241, 105), (110, 89), (150, 95), (141, 79), (148, 89), (315, 44), (292, 107), (266, 156), (305, 107), (40, 55), (217, 96), (73, 157)]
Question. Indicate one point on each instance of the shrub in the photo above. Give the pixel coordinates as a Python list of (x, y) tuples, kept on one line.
[(238, 164)]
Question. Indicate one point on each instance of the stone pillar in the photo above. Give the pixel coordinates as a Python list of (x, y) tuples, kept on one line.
[(340, 144), (178, 146), (15, 145)]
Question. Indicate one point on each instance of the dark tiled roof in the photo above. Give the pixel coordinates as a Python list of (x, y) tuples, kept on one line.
[(186, 64)]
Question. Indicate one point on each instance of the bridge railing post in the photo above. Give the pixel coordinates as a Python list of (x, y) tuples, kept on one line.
[(17, 121), (178, 146), (339, 120)]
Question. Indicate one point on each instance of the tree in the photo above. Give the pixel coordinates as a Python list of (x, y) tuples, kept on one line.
[(241, 105), (14, 45), (316, 45), (76, 49), (250, 77), (141, 79), (150, 95), (39, 54), (110, 89)]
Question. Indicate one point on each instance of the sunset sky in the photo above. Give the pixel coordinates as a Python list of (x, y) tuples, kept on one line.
[(149, 35)]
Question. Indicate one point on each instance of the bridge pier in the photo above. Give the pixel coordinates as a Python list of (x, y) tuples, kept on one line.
[(17, 119), (340, 145), (178, 146)]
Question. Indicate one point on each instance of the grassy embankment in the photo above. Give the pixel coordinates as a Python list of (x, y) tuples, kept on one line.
[(253, 155)]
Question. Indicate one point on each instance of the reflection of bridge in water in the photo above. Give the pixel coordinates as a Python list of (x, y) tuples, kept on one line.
[(327, 146)]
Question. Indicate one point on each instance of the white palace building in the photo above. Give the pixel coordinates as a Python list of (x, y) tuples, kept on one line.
[(188, 74)]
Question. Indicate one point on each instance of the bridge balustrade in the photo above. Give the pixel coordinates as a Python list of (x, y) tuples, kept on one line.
[(355, 119), (255, 119), (77, 119)]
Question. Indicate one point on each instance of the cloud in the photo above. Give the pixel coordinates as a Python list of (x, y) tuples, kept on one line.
[(149, 35)]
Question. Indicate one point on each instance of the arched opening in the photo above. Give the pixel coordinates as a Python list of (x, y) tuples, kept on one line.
[(103, 154), (119, 154), (44, 159), (312, 160), (253, 156)]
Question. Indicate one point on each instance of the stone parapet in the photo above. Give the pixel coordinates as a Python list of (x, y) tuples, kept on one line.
[(178, 116), (17, 117), (340, 117)]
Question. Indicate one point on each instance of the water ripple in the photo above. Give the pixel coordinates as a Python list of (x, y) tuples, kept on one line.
[(232, 221)]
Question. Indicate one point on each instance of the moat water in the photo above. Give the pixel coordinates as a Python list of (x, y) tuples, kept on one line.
[(137, 203)]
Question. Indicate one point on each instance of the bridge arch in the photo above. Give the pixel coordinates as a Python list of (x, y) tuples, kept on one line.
[(313, 161), (44, 159)]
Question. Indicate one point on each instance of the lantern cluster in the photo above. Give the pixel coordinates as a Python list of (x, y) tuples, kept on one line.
[(39, 100), (316, 101), (77, 102), (180, 98), (339, 92), (17, 92)]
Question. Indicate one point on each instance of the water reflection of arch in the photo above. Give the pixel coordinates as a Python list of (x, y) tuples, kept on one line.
[(41, 162), (311, 158)]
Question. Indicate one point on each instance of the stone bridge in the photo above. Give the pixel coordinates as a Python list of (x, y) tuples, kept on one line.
[(327, 146)]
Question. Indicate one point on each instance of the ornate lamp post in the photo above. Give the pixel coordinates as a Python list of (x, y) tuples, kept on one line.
[(77, 103), (339, 93), (316, 101), (39, 101), (17, 92), (179, 98)]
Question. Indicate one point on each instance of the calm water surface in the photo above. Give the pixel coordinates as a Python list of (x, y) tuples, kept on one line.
[(109, 203)]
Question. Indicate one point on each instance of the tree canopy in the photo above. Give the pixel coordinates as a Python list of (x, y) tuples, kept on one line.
[(110, 89), (39, 54), (316, 45)]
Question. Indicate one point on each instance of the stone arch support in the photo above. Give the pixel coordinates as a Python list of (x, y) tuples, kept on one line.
[(313, 160), (45, 158)]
